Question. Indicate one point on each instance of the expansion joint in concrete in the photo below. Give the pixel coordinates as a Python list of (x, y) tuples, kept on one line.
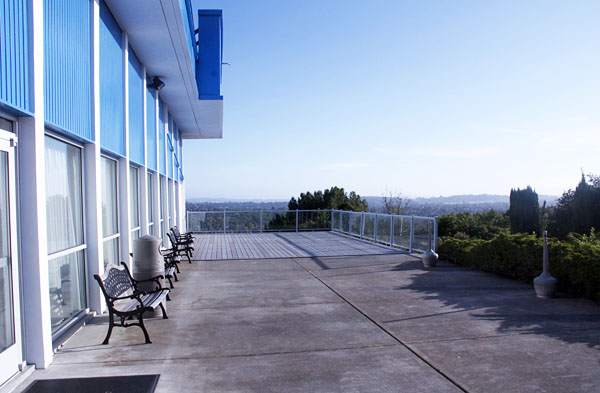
[(386, 331)]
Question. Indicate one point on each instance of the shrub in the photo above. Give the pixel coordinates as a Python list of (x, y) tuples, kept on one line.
[(478, 225), (574, 261)]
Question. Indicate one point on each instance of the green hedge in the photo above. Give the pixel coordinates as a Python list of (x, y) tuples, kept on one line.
[(574, 261)]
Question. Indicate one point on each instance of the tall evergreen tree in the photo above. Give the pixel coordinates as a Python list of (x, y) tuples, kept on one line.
[(577, 210), (524, 211)]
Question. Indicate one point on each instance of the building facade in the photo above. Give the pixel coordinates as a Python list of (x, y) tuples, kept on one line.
[(96, 100)]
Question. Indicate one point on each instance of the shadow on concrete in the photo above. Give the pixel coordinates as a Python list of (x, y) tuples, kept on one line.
[(509, 304)]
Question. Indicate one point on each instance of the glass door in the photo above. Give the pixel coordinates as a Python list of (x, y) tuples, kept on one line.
[(10, 322)]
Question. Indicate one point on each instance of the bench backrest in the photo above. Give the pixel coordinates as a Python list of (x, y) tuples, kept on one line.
[(176, 231), (116, 281), (174, 243)]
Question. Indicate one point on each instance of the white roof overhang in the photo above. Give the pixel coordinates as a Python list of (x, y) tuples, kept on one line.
[(156, 31)]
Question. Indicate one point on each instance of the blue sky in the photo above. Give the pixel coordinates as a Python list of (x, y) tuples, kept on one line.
[(425, 98)]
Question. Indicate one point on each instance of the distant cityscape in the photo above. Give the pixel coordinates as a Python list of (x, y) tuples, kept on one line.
[(433, 206)]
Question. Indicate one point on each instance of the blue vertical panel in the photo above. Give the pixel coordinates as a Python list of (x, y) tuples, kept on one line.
[(162, 119), (170, 155), (112, 132), (180, 155), (68, 67), (151, 130), (187, 15), (176, 153), (14, 58), (210, 54), (136, 109)]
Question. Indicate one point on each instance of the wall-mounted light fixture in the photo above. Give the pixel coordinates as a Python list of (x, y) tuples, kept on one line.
[(155, 83)]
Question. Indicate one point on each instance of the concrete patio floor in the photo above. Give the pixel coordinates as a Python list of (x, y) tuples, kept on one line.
[(377, 323)]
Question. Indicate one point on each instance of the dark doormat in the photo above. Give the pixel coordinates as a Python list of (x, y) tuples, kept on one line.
[(122, 384)]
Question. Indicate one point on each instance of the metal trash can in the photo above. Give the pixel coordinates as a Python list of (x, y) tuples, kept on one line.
[(148, 263)]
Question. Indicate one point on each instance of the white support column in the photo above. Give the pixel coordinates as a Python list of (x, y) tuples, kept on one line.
[(156, 183), (92, 182), (123, 167), (178, 213), (32, 220), (143, 172), (183, 227), (165, 208), (183, 209), (172, 202)]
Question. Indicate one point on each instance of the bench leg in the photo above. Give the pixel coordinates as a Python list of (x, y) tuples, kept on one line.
[(187, 254), (164, 311), (141, 319), (111, 323), (170, 282), (175, 276)]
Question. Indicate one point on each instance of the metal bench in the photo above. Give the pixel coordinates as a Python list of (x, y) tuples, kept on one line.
[(124, 299), (182, 236), (181, 248)]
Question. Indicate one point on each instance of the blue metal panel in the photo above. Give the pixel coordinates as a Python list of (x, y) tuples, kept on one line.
[(176, 148), (210, 54), (187, 15), (136, 109), (112, 130), (162, 120), (14, 55), (68, 67), (180, 156), (169, 156), (151, 129)]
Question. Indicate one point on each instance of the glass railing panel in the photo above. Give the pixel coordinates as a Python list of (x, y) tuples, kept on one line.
[(245, 221), (369, 226), (402, 232), (278, 220), (314, 220), (383, 228), (423, 234), (205, 222)]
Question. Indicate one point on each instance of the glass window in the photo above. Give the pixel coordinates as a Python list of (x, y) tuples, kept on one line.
[(64, 205), (6, 125), (150, 205), (134, 213), (64, 224), (110, 223), (163, 197), (67, 287), (7, 331)]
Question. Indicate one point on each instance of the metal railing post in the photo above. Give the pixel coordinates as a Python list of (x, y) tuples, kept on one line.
[(375, 228), (435, 233), (187, 221), (296, 220), (224, 221), (412, 233), (391, 230), (260, 220)]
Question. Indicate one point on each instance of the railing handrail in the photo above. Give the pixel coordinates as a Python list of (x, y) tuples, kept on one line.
[(386, 214), (260, 210)]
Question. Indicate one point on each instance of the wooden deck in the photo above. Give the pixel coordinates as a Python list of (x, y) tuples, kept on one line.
[(282, 245)]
